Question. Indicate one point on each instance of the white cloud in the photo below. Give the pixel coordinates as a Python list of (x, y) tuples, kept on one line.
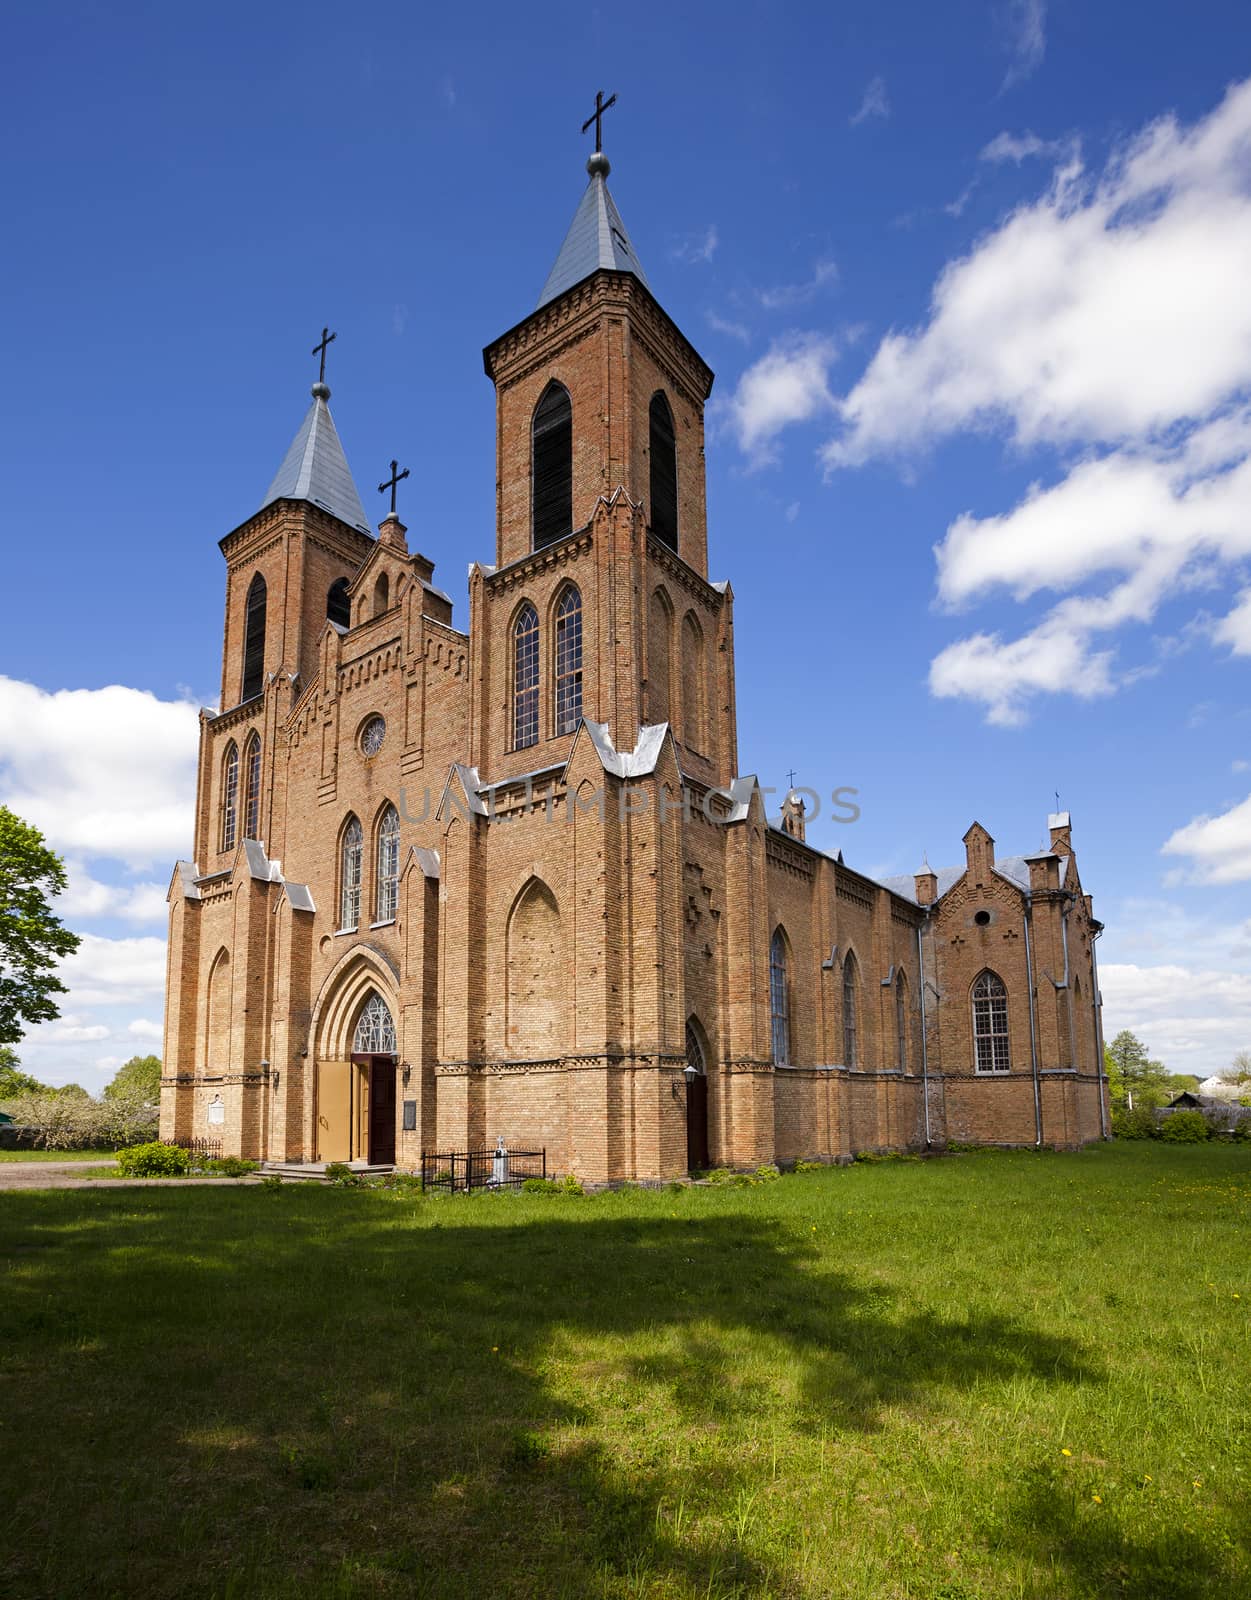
[(875, 104), (697, 248), (1240, 766), (1235, 629), (1108, 318), (87, 898), (115, 971), (1219, 847), (1193, 1019), (102, 772), (735, 330), (1018, 147), (786, 295), (789, 384), (1024, 23), (142, 1028)]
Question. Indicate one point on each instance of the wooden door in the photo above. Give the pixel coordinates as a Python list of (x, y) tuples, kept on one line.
[(697, 1122), (382, 1111)]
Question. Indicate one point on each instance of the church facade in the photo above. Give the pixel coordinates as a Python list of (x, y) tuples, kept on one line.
[(451, 887)]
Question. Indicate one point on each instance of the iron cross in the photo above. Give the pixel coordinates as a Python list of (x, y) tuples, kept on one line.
[(601, 105), (396, 477), (790, 778), (327, 338)]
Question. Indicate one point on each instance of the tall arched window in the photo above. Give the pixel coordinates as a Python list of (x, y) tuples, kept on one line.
[(663, 455), (254, 640), (387, 856), (338, 609), (526, 678), (850, 1042), (568, 661), (694, 678), (350, 853), (375, 1029), (901, 1020), (230, 796), (990, 1024), (659, 654), (551, 466), (252, 789), (382, 594), (779, 1000)]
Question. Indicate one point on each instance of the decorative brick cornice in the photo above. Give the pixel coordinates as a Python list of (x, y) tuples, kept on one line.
[(571, 548), (682, 574)]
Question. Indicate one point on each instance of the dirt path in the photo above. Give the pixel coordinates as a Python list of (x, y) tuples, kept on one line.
[(65, 1175)]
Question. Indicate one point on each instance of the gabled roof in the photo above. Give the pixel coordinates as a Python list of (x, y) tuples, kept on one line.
[(1014, 868), (315, 468), (597, 239)]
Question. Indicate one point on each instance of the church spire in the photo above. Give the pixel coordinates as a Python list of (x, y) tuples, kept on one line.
[(315, 468), (597, 239)]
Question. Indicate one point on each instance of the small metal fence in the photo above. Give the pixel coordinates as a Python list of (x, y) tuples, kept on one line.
[(201, 1149), (463, 1171)]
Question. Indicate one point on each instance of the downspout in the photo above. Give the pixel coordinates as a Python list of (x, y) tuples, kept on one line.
[(925, 1049), (1103, 1066), (1033, 1035)]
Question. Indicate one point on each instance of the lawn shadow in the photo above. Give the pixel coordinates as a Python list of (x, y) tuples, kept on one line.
[(340, 1394)]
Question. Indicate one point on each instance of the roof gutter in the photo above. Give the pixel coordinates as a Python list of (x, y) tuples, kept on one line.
[(1097, 1002)]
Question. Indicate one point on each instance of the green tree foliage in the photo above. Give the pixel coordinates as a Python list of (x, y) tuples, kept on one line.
[(13, 1081), (1133, 1078), (138, 1079), (32, 940)]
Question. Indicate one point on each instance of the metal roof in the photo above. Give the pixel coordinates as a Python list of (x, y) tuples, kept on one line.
[(597, 239), (315, 468), (1014, 868)]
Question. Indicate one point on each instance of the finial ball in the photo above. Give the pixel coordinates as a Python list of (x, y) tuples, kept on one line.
[(321, 391), (597, 164)]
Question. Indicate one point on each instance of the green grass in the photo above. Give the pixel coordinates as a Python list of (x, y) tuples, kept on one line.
[(990, 1376), (57, 1155)]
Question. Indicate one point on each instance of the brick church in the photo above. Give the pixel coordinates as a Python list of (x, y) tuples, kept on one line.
[(451, 887)]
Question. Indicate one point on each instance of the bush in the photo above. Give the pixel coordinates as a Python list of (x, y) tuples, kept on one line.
[(812, 1166), (569, 1185), (340, 1174), (228, 1166), (1184, 1127), (77, 1122), (272, 1182), (155, 1160), (1138, 1124), (768, 1173)]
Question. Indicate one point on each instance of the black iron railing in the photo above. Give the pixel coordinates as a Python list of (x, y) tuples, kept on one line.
[(466, 1170), (204, 1149)]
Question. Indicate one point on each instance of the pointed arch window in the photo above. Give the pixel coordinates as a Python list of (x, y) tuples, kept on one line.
[(551, 456), (230, 796), (351, 850), (851, 1043), (252, 788), (779, 1000), (388, 870), (254, 640), (990, 1024), (338, 608), (375, 1029), (663, 456), (382, 594), (568, 661), (901, 1020), (526, 678)]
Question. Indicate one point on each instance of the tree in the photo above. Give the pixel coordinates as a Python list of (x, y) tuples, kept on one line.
[(1134, 1080), (31, 938), (13, 1081), (138, 1079)]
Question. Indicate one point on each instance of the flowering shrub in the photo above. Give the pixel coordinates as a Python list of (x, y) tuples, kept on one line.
[(77, 1122)]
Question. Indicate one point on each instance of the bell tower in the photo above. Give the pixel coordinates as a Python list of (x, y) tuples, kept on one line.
[(600, 485)]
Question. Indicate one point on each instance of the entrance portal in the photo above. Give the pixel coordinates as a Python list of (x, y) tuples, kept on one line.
[(381, 1136), (696, 1104)]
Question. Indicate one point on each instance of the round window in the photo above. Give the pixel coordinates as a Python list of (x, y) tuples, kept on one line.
[(372, 735), (982, 918)]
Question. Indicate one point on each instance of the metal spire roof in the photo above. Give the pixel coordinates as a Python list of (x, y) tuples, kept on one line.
[(315, 468), (597, 238)]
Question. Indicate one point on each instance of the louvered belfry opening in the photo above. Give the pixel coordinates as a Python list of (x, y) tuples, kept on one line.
[(254, 640), (552, 466), (663, 450), (337, 608)]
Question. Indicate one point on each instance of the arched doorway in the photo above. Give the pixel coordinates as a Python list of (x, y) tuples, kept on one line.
[(696, 1075), (373, 1050)]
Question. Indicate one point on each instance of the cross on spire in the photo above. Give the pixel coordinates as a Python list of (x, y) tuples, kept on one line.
[(327, 338), (397, 477), (597, 117), (790, 778)]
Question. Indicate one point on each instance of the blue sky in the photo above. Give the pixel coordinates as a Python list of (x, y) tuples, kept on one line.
[(973, 281)]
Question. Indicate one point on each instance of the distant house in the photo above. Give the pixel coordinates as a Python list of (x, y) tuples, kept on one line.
[(1221, 1113)]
